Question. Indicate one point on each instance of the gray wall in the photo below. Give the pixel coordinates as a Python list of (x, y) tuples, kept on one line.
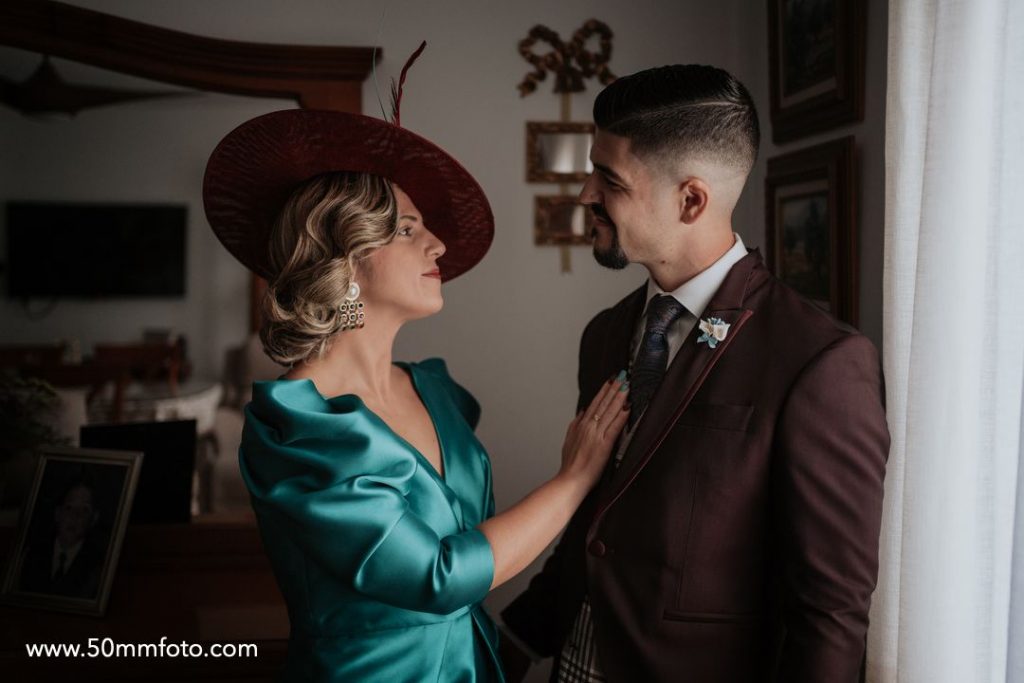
[(510, 327)]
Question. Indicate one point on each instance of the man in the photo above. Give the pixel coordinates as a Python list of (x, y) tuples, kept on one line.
[(68, 563), (735, 536)]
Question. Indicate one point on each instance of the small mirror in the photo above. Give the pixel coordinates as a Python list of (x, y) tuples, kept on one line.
[(560, 220), (558, 152)]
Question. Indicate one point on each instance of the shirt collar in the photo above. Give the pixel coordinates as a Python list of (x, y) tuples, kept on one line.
[(69, 552), (697, 292)]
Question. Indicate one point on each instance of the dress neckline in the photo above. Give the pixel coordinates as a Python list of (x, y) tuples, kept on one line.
[(411, 370)]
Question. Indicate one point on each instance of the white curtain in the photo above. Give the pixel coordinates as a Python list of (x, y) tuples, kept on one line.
[(953, 346)]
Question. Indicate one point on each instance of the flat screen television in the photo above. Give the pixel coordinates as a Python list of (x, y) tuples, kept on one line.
[(57, 249)]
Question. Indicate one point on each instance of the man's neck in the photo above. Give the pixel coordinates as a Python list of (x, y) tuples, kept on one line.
[(671, 273)]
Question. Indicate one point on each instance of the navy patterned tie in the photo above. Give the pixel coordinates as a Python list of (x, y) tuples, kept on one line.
[(652, 357)]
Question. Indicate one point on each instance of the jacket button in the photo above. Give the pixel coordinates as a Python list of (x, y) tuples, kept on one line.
[(597, 548)]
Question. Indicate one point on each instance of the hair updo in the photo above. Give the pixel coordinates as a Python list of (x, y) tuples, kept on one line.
[(326, 227)]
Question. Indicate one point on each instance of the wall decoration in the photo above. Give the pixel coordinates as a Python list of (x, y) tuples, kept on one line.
[(560, 220), (817, 65), (811, 221), (559, 151), (570, 62)]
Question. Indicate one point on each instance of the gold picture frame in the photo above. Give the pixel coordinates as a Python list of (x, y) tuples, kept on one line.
[(561, 220), (558, 152)]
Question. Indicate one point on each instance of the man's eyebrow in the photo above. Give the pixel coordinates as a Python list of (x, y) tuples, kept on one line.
[(609, 173), (410, 217)]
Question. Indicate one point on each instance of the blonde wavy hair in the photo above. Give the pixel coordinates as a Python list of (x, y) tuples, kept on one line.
[(328, 225)]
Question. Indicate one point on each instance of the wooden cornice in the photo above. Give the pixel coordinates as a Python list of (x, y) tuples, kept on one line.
[(315, 76)]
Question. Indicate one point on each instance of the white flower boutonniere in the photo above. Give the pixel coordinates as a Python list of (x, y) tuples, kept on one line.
[(714, 329)]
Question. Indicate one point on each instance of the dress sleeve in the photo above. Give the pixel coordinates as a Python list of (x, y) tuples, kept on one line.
[(467, 404), (338, 492)]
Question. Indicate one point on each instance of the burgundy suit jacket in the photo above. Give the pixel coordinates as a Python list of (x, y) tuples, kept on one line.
[(738, 540)]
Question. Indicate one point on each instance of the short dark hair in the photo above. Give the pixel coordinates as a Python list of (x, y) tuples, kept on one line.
[(79, 480), (675, 111)]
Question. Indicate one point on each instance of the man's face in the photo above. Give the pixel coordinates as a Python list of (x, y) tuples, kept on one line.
[(75, 515), (631, 202)]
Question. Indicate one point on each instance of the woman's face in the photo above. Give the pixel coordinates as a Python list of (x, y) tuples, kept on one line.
[(402, 278)]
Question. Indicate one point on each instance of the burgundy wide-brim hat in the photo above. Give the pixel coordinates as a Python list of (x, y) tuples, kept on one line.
[(258, 165)]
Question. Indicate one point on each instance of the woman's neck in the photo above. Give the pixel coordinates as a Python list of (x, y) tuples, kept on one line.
[(358, 362)]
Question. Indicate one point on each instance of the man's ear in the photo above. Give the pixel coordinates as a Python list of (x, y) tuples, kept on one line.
[(694, 195)]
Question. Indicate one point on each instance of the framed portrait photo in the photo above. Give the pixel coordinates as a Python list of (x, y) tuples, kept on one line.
[(560, 220), (817, 51), (811, 222), (558, 152), (71, 528)]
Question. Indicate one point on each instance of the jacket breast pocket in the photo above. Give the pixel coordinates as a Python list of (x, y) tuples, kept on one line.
[(734, 418)]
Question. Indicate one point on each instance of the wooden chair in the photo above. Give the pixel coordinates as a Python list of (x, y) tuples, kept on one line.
[(147, 362)]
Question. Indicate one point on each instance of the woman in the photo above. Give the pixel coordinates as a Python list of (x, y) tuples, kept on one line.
[(372, 493)]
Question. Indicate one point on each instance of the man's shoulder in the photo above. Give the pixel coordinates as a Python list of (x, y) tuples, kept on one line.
[(801, 322)]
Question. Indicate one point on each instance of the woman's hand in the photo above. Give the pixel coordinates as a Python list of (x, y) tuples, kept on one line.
[(518, 535), (592, 434)]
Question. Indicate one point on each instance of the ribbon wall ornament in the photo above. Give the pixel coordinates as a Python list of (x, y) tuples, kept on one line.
[(559, 151), (571, 62)]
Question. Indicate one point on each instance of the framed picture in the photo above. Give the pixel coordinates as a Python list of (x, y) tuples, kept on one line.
[(558, 152), (560, 220), (811, 220), (817, 65), (71, 528)]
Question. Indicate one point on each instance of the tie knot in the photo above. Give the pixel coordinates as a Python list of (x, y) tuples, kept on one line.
[(662, 311)]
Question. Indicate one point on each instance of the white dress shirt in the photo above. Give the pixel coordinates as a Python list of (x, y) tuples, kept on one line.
[(69, 556), (694, 294)]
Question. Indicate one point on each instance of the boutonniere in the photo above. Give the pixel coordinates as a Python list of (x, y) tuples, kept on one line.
[(714, 329)]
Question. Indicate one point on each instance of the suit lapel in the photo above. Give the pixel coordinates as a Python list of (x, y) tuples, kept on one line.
[(685, 376)]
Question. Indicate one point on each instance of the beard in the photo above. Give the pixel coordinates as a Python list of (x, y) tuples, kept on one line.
[(611, 257)]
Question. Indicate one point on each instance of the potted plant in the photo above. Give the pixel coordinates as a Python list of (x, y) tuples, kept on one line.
[(28, 407)]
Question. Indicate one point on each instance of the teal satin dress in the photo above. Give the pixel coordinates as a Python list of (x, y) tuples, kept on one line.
[(378, 557)]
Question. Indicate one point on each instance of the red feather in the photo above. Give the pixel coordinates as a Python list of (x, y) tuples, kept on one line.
[(396, 90)]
